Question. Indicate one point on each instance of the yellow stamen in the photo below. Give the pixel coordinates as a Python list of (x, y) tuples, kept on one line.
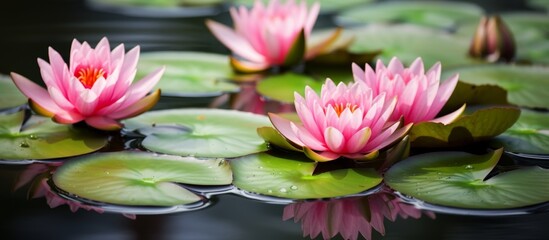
[(87, 76), (340, 107)]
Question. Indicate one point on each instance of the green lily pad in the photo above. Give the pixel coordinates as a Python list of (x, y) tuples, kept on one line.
[(539, 3), (282, 87), (407, 42), (432, 14), (10, 96), (41, 138), (200, 132), (481, 125), (139, 178), (189, 73), (325, 5), (470, 94), (160, 3), (458, 179), (521, 82), (292, 177), (530, 134)]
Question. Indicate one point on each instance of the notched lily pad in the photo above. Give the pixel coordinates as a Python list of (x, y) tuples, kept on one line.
[(481, 125), (470, 94), (139, 178), (522, 83), (432, 14), (282, 87), (200, 132), (291, 176), (41, 138), (530, 134), (189, 73), (10, 96), (459, 179)]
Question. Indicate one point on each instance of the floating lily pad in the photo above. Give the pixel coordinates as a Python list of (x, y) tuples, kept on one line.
[(470, 94), (481, 125), (539, 3), (200, 132), (189, 73), (159, 8), (530, 134), (10, 96), (282, 87), (458, 179), (432, 14), (292, 177), (325, 5), (407, 42), (40, 138), (523, 83), (139, 178)]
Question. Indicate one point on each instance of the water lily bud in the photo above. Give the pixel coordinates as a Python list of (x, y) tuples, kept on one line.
[(493, 41)]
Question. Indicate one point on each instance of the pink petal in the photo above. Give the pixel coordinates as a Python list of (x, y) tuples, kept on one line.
[(103, 123), (137, 108), (334, 139), (142, 87), (284, 127), (33, 91), (320, 156), (67, 117), (359, 140), (235, 42), (449, 118)]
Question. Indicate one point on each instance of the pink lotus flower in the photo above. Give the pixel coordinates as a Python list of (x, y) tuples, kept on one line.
[(346, 120), (420, 95), (272, 35), (349, 216), (95, 87)]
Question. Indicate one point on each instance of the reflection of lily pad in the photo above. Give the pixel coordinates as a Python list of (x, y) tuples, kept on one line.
[(200, 132), (524, 84), (189, 73), (530, 134), (325, 5), (293, 177), (481, 125), (137, 178), (10, 96), (282, 87), (407, 42), (433, 14), (40, 138), (458, 179)]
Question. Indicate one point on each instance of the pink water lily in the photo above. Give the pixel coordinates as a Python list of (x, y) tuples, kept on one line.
[(344, 121), (420, 94), (272, 35), (96, 86)]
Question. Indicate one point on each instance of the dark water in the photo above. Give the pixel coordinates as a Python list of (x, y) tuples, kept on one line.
[(29, 27)]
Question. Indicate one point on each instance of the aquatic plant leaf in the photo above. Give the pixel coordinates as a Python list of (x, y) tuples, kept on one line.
[(326, 5), (480, 125), (200, 132), (282, 87), (189, 73), (160, 3), (10, 96), (292, 177), (458, 179), (407, 42), (530, 134), (431, 14), (522, 83), (40, 138), (470, 94), (139, 178)]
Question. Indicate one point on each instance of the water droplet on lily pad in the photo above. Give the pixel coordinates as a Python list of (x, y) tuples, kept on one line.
[(24, 145), (283, 190), (293, 187), (469, 167)]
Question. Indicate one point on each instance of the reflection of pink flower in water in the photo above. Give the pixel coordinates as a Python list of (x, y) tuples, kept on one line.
[(38, 174), (350, 216)]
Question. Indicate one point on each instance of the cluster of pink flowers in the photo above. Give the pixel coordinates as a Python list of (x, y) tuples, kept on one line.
[(358, 119)]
